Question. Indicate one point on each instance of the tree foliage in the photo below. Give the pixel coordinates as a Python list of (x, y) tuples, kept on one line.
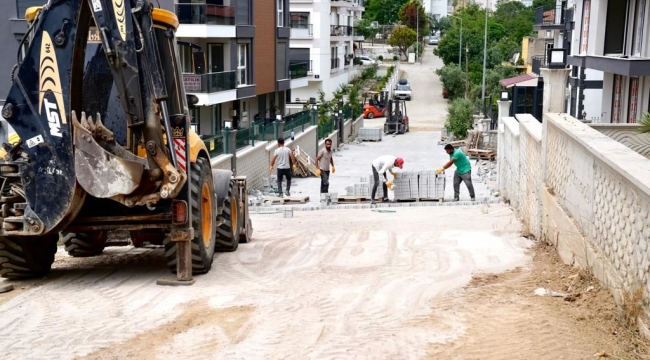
[(440, 25), (383, 11), (412, 15), (362, 27), (546, 4), (460, 118), (402, 38), (453, 80)]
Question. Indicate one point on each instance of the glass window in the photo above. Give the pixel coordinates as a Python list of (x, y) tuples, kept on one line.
[(280, 13), (242, 78), (185, 53), (299, 20), (22, 5), (638, 28)]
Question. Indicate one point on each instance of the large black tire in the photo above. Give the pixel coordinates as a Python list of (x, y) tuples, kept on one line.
[(228, 231), (85, 244), (401, 128), (204, 221), (27, 257)]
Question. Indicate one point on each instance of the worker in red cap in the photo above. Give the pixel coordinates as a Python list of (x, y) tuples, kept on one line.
[(380, 166)]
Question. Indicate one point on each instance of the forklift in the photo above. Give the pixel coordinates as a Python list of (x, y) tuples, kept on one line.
[(397, 122), (376, 106)]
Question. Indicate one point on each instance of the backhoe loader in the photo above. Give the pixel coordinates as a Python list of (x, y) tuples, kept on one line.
[(102, 142)]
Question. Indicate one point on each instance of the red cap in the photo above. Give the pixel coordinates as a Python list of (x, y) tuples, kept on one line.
[(399, 162)]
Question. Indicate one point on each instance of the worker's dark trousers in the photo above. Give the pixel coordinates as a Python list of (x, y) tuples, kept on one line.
[(467, 179), (324, 182), (287, 174), (375, 175)]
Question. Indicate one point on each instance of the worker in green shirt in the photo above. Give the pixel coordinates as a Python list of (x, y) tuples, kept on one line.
[(463, 170)]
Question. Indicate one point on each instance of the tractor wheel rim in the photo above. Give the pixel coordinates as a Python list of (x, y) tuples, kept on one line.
[(234, 206), (206, 212)]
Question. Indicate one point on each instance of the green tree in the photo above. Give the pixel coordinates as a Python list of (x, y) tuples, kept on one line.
[(546, 4), (516, 19), (355, 104), (383, 11), (453, 80), (440, 25), (412, 15), (363, 28), (460, 118), (402, 38)]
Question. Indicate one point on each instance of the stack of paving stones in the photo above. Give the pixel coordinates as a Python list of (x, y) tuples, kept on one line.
[(431, 185), (370, 134)]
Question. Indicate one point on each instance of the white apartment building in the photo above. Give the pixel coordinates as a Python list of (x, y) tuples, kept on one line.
[(610, 42), (438, 8), (323, 40)]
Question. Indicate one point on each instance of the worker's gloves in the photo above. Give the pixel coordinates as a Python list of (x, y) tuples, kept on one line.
[(439, 171), (317, 172), (294, 168), (394, 174), (389, 185), (333, 169), (270, 168)]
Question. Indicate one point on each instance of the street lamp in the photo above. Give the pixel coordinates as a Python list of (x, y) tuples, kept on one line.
[(487, 2), (460, 43)]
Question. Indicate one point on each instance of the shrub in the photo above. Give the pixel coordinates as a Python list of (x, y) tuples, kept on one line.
[(460, 118), (380, 58), (395, 57), (453, 80)]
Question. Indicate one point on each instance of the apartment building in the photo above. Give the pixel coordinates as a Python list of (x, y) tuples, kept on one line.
[(438, 8), (323, 44), (234, 57), (611, 40)]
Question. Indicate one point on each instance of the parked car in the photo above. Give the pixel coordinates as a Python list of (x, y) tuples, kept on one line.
[(433, 40), (403, 90), (366, 60)]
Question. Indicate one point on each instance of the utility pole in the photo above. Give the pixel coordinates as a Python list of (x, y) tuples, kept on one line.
[(485, 52), (417, 31), (466, 71)]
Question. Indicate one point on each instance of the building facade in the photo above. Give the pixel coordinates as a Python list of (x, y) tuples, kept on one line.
[(323, 44), (438, 8), (234, 56)]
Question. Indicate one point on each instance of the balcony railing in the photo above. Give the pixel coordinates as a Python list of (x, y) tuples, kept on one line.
[(538, 62), (214, 143), (302, 30), (334, 64), (210, 83), (341, 30), (298, 70), (552, 17), (347, 60), (207, 14)]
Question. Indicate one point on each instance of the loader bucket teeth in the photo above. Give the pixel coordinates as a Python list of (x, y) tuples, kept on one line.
[(101, 173)]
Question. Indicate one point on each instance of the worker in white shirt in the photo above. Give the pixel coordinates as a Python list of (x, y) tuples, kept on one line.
[(380, 166)]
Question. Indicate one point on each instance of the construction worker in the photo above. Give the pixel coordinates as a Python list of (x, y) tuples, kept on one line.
[(285, 158), (323, 162), (463, 171), (380, 166)]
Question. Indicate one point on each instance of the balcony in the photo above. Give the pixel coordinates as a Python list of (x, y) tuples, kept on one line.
[(298, 70), (549, 19), (205, 14), (209, 83), (348, 4), (304, 31), (341, 30), (334, 64), (538, 62), (347, 60)]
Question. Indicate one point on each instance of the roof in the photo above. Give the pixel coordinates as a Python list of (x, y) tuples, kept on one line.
[(520, 80)]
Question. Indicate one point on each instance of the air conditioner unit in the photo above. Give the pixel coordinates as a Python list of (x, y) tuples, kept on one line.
[(310, 73)]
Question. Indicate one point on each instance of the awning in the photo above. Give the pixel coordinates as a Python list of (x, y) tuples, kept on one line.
[(520, 80)]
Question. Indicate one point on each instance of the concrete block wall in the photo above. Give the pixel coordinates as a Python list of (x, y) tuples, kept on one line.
[(584, 192), (347, 131), (254, 163), (356, 125)]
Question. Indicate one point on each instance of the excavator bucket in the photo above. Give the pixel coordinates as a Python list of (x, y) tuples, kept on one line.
[(102, 173)]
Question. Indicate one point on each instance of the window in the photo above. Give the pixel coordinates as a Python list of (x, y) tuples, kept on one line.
[(299, 20), (216, 119), (22, 5), (634, 100), (195, 120), (216, 58), (615, 28), (638, 28), (280, 13), (242, 76), (616, 104), (185, 52), (586, 14)]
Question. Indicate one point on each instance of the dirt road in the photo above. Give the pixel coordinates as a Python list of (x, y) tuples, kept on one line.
[(321, 285)]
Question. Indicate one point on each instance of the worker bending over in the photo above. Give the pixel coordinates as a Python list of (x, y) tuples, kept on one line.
[(380, 166)]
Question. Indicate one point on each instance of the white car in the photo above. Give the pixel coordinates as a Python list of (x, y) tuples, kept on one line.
[(365, 60), (403, 90)]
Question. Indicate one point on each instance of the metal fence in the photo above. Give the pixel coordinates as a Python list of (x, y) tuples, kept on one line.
[(549, 17), (214, 144)]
